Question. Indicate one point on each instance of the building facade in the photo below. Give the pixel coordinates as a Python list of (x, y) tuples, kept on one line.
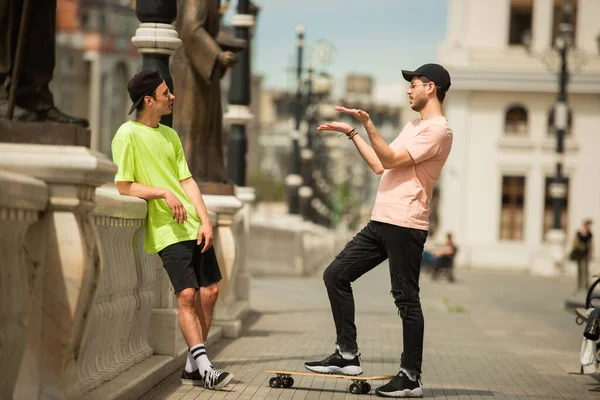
[(495, 193), (94, 60)]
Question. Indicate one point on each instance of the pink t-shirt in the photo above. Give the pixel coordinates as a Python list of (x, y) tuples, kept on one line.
[(404, 193)]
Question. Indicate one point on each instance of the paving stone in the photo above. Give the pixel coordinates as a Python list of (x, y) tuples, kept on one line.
[(491, 335)]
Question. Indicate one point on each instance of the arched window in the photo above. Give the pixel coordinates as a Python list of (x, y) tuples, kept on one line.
[(551, 130), (516, 121)]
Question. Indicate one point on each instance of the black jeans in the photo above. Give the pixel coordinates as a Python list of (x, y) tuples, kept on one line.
[(375, 243)]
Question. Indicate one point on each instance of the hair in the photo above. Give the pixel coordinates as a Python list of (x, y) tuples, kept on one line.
[(140, 106), (439, 92)]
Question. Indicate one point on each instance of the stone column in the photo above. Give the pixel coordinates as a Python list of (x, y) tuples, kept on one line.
[(230, 310), (243, 279)]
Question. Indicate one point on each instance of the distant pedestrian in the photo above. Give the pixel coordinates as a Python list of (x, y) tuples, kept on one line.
[(582, 252)]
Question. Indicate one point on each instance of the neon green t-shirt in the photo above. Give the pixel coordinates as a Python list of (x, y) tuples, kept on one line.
[(154, 157)]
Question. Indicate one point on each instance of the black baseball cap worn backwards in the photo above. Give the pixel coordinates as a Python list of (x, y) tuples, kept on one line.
[(434, 72), (141, 85)]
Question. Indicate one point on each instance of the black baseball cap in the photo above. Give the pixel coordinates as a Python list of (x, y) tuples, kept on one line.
[(141, 85), (434, 72)]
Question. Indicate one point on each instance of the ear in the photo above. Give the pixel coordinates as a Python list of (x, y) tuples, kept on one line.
[(148, 100), (431, 89)]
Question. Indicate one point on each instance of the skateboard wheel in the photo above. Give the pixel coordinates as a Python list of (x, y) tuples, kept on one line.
[(355, 389), (274, 382), (288, 382), (366, 387)]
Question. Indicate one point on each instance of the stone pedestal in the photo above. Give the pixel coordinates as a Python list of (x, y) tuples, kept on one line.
[(550, 258), (230, 309), (43, 133)]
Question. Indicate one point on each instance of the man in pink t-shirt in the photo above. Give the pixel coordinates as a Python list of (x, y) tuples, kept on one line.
[(410, 166)]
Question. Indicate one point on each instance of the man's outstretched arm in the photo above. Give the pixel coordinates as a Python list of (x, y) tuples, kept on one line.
[(387, 156), (365, 151)]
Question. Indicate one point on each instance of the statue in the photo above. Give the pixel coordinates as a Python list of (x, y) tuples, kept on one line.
[(198, 67), (27, 47)]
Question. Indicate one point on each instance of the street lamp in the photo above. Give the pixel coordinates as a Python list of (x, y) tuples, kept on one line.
[(317, 88), (293, 180), (557, 188), (238, 112)]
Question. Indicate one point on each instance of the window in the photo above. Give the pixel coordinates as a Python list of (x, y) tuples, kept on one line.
[(550, 125), (521, 12), (549, 207), (512, 215), (558, 18), (515, 121)]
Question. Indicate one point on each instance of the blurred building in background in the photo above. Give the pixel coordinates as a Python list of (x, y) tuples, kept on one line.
[(495, 192), (347, 171), (94, 60)]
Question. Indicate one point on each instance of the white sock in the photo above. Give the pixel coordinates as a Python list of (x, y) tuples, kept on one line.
[(190, 364), (346, 355), (199, 354), (411, 376)]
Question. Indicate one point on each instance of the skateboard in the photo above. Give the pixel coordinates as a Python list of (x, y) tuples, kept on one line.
[(359, 383)]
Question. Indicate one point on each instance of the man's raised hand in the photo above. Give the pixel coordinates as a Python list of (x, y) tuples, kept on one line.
[(335, 126), (360, 115)]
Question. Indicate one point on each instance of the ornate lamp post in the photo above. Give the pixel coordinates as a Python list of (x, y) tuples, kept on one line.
[(238, 112), (156, 39), (293, 180)]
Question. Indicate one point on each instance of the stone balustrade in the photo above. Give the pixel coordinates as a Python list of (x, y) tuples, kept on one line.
[(283, 244), (117, 333), (80, 300)]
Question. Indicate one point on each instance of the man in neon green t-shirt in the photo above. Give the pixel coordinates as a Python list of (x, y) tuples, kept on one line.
[(152, 166)]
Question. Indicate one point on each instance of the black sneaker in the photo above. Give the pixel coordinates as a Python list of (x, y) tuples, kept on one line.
[(335, 364), (215, 379), (400, 386), (192, 378)]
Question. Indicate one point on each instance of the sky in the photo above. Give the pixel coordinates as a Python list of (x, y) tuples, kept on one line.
[(374, 37)]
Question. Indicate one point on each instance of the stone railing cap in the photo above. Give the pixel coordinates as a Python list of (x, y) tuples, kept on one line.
[(22, 191), (109, 203), (58, 164)]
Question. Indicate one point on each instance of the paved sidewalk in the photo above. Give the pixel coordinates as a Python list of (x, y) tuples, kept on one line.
[(491, 335)]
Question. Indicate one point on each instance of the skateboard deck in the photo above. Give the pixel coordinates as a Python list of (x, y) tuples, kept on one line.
[(359, 383)]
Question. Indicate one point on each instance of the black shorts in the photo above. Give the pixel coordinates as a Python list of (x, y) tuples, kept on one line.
[(187, 267)]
